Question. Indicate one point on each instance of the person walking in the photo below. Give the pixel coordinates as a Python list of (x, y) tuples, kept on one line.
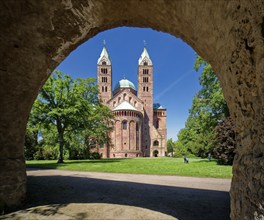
[(185, 159), (209, 156)]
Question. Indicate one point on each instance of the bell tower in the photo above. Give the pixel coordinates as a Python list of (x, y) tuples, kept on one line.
[(145, 93), (104, 76)]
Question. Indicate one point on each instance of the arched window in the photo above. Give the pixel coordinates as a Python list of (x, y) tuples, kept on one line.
[(124, 96), (155, 143), (145, 63), (104, 63), (114, 103), (145, 71), (124, 125), (106, 88), (102, 89), (104, 79), (157, 124), (104, 70)]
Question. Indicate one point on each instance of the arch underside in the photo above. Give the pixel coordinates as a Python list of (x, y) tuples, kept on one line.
[(36, 37)]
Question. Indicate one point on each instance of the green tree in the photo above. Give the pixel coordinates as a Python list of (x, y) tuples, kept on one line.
[(208, 108), (31, 138), (31, 142), (72, 107), (170, 146)]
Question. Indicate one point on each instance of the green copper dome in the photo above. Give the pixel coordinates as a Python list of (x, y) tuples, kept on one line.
[(124, 83)]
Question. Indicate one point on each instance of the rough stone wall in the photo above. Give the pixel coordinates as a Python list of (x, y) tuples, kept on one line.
[(37, 35)]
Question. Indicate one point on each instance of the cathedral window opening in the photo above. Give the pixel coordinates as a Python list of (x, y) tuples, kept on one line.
[(157, 124), (155, 143), (124, 96), (124, 125), (145, 63), (125, 113), (113, 155), (104, 79), (146, 147), (147, 88), (125, 155), (155, 153), (135, 104), (130, 98), (104, 63), (119, 99), (106, 89), (145, 71), (114, 103), (145, 79), (144, 89), (137, 127), (104, 70), (102, 89)]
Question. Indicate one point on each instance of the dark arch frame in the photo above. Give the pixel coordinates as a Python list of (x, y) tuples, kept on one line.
[(230, 39)]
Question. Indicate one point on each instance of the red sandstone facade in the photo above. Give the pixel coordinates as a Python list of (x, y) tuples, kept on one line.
[(139, 127)]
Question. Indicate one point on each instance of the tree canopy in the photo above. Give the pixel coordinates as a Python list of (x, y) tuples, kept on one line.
[(72, 110), (208, 108)]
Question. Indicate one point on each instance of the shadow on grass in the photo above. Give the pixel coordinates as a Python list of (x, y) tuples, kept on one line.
[(214, 161), (182, 203), (55, 165)]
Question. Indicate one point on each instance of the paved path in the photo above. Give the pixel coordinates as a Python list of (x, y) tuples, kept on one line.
[(127, 196)]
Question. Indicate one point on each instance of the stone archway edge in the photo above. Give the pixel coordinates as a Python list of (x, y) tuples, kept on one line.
[(37, 35)]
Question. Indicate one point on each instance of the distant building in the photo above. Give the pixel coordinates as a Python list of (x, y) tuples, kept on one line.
[(140, 126)]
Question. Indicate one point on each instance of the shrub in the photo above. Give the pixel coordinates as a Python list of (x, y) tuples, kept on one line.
[(95, 156), (225, 142), (46, 152)]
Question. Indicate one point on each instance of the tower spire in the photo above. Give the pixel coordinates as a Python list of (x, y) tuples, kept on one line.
[(144, 56), (104, 56)]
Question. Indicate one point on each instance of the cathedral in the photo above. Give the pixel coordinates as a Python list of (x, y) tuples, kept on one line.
[(140, 125)]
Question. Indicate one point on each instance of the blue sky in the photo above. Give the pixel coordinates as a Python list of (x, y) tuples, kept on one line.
[(175, 80)]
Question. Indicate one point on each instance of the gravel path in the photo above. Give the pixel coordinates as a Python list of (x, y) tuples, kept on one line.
[(90, 195)]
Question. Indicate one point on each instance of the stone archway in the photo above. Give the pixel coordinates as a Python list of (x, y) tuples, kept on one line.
[(37, 35)]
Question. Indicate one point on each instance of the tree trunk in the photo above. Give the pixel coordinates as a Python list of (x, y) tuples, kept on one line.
[(61, 142)]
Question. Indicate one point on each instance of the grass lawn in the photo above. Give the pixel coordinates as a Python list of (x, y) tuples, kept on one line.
[(159, 166)]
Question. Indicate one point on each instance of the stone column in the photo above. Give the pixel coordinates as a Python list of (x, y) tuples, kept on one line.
[(14, 112)]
